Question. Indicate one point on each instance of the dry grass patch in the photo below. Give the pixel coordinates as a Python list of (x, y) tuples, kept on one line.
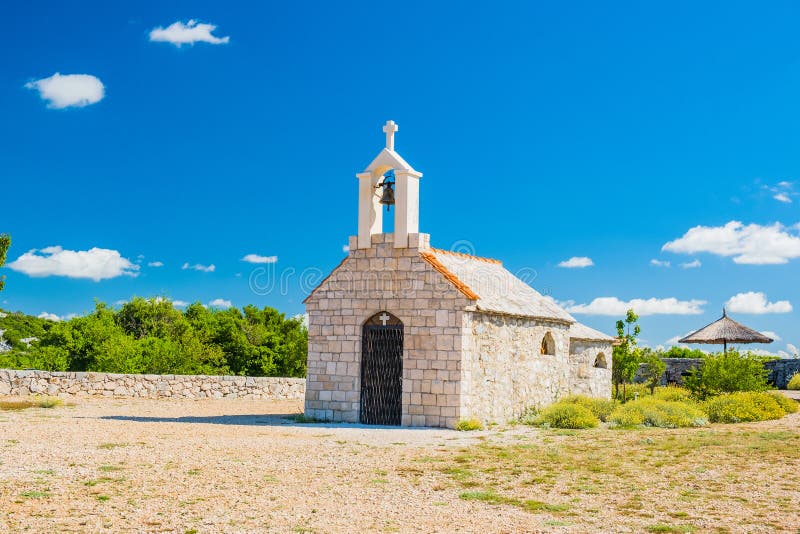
[(23, 403), (645, 478)]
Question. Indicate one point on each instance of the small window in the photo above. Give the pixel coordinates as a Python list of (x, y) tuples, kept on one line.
[(548, 344), (600, 361)]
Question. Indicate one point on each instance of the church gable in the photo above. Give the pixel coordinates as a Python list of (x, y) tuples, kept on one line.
[(384, 273)]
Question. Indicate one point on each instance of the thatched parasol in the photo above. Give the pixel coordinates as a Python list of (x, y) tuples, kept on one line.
[(725, 330)]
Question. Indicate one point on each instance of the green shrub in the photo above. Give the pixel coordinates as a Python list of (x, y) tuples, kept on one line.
[(469, 424), (632, 392), (651, 411), (47, 402), (726, 373), (529, 416), (672, 393), (743, 406), (652, 368), (567, 415), (794, 382), (787, 405), (601, 408)]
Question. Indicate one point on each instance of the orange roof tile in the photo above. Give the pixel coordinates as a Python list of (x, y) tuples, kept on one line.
[(439, 266)]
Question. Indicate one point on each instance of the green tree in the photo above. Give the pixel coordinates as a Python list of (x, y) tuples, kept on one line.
[(625, 360), (653, 367), (683, 352), (726, 372), (5, 243), (152, 336)]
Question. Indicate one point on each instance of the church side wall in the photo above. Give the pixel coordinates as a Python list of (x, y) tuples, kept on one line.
[(397, 280), (504, 371), (585, 378)]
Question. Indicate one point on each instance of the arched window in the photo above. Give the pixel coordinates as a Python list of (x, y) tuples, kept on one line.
[(600, 361), (548, 344)]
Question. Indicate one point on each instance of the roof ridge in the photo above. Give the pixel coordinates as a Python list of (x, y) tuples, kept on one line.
[(468, 256), (452, 278)]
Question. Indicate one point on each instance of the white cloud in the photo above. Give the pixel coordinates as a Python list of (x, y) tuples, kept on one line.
[(760, 352), (792, 349), (95, 264), (782, 192), (155, 264), (192, 32), (651, 306), (57, 318), (659, 263), (752, 244), (676, 340), (576, 262), (303, 317), (180, 303), (199, 267), (255, 258), (773, 335), (346, 248), (756, 302), (694, 264), (220, 303), (69, 90)]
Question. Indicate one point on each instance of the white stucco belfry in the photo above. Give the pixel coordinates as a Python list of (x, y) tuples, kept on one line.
[(466, 338)]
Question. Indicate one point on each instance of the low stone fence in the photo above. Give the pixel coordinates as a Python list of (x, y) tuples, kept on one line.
[(780, 371), (68, 384)]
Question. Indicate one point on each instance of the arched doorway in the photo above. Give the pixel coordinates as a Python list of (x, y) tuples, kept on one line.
[(382, 370)]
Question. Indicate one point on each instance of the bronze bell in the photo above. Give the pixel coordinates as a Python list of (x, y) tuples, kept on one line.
[(387, 198)]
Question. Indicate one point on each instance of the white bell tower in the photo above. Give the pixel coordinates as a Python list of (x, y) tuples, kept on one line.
[(406, 208)]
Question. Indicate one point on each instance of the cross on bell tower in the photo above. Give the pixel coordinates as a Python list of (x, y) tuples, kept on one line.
[(406, 212), (389, 129)]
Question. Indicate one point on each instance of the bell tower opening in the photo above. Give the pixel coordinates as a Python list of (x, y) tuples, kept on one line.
[(388, 182)]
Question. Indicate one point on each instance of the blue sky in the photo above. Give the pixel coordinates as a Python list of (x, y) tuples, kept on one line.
[(544, 131)]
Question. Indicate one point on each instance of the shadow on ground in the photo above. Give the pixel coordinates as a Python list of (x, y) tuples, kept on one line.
[(251, 420)]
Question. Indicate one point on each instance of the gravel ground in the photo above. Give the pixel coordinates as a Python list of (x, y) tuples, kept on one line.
[(104, 465), (222, 466)]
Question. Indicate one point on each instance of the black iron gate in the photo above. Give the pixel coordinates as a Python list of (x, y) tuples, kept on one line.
[(382, 374)]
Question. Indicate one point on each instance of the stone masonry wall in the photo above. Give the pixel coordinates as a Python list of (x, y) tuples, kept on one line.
[(504, 371), (397, 280), (69, 384), (585, 378)]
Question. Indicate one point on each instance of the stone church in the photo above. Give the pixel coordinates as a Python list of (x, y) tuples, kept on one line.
[(401, 333)]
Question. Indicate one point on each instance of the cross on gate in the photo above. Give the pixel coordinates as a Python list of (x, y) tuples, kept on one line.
[(384, 318)]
